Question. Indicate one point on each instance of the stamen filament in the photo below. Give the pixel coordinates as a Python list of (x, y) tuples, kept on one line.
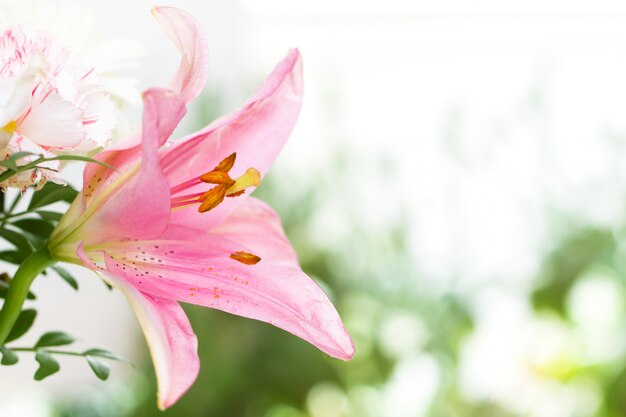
[(185, 185), (187, 197), (184, 203)]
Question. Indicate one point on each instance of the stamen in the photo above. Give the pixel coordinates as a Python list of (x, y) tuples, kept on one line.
[(245, 258), (225, 186), (217, 177), (212, 198), (190, 198), (238, 193), (227, 163), (185, 185)]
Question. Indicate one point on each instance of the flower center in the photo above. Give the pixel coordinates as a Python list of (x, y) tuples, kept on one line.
[(9, 127), (225, 186)]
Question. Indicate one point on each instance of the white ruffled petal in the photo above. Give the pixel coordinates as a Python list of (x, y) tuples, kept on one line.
[(54, 123)]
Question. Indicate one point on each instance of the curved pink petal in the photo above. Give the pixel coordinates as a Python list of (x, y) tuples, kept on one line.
[(171, 340), (201, 272), (184, 32), (188, 83), (140, 208), (282, 296), (256, 132), (256, 226)]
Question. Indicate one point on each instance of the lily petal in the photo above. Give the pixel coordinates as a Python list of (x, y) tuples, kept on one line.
[(184, 32), (188, 83), (256, 226), (140, 208), (256, 132), (202, 272), (171, 340)]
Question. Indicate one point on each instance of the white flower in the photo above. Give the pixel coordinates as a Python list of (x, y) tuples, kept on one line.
[(50, 101)]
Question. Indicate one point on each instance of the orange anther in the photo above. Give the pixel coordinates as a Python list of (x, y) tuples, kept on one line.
[(217, 177), (245, 258), (212, 198), (227, 163)]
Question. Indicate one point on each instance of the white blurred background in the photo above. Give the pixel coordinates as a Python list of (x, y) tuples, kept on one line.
[(490, 128)]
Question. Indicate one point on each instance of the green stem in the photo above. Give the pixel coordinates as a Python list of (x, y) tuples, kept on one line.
[(54, 352), (32, 266), (35, 164), (3, 219), (17, 199)]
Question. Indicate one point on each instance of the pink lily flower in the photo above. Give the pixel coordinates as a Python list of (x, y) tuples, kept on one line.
[(175, 223)]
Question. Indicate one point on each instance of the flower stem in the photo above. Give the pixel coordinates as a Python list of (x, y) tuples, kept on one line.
[(32, 266)]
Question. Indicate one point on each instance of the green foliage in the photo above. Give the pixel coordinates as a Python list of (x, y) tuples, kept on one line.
[(45, 356), (26, 228), (576, 253), (50, 216), (38, 229), (4, 287), (22, 325), (54, 339), (13, 168), (47, 365), (99, 368), (9, 357), (66, 276), (51, 193), (26, 231), (22, 244), (102, 353)]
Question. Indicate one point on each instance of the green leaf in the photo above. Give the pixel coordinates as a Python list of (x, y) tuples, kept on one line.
[(66, 276), (47, 365), (22, 324), (103, 353), (12, 256), (81, 158), (52, 193), (9, 357), (36, 227), (54, 339), (98, 367), (9, 164), (51, 216), (18, 240), (21, 154)]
